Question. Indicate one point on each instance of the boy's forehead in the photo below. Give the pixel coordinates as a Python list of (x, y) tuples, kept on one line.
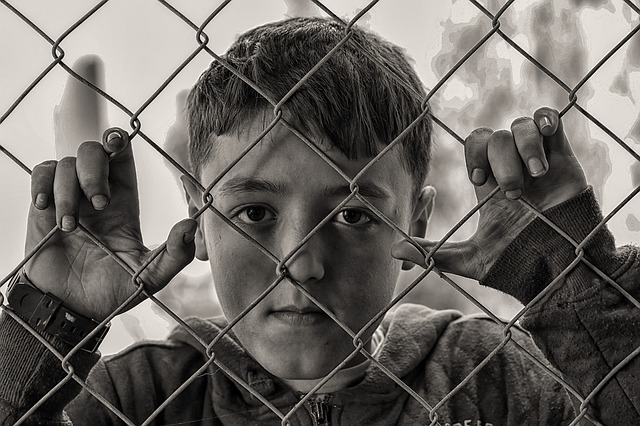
[(281, 155)]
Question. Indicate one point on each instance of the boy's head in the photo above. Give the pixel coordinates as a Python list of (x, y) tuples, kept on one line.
[(351, 108), (352, 100)]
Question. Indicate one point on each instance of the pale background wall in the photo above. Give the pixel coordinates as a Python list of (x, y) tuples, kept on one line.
[(141, 42)]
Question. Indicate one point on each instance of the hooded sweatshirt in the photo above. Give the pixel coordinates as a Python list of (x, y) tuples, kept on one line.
[(468, 370), (431, 351)]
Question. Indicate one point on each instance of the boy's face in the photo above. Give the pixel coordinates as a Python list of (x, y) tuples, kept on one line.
[(277, 194)]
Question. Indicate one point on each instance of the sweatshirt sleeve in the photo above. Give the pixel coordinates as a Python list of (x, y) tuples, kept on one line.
[(28, 370), (584, 326)]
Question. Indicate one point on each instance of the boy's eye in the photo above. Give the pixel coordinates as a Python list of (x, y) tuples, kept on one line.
[(352, 217), (254, 214)]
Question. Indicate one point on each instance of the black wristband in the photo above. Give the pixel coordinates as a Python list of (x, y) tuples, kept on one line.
[(45, 313)]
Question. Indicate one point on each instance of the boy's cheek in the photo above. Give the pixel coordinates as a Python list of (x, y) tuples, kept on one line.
[(237, 288), (378, 291), (366, 287), (238, 267)]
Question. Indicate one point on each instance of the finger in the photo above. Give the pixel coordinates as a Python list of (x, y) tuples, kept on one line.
[(92, 168), (122, 170), (81, 113), (505, 162), (115, 140), (528, 141), (475, 152), (42, 177), (179, 252), (550, 126), (66, 194), (453, 257)]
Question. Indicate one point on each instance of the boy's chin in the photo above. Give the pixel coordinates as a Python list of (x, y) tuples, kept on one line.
[(298, 369), (309, 365)]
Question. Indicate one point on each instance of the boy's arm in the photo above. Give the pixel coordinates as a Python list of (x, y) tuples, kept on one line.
[(28, 370), (96, 188), (586, 327)]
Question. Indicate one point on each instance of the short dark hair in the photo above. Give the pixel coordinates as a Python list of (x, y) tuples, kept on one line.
[(350, 99)]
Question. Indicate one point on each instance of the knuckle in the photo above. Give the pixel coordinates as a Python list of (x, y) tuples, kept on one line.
[(502, 134), (509, 178), (509, 182), (65, 204), (62, 205), (548, 110), (42, 182), (475, 147), (479, 134), (500, 138), (48, 163), (520, 120), (91, 184), (523, 123), (67, 162), (44, 168), (89, 147)]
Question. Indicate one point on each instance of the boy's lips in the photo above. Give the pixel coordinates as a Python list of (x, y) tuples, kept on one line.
[(298, 309), (299, 316)]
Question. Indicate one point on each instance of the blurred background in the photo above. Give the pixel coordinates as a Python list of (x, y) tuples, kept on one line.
[(129, 48)]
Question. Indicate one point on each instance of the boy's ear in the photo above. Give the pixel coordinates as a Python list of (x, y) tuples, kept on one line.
[(194, 201), (420, 217)]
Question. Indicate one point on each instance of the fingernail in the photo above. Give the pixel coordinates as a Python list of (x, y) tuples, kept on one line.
[(68, 223), (188, 237), (99, 202), (398, 248), (544, 123), (535, 166), (42, 200), (478, 176), (115, 140), (514, 194)]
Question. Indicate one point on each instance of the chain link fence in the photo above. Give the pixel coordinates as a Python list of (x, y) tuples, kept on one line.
[(201, 44)]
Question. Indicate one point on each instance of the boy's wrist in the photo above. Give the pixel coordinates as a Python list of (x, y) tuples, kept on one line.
[(46, 314), (539, 253)]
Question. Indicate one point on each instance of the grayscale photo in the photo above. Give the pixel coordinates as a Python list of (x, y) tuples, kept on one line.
[(320, 212)]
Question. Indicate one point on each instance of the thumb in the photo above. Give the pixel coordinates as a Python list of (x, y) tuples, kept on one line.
[(175, 254), (454, 257)]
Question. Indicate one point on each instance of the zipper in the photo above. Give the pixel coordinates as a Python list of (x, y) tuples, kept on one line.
[(320, 410)]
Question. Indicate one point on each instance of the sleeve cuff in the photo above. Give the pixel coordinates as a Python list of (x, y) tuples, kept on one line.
[(28, 370), (539, 253)]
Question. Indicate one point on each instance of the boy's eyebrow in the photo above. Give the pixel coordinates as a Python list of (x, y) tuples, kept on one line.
[(366, 189), (240, 184)]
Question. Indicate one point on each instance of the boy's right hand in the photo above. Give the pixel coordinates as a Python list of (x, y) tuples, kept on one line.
[(98, 189)]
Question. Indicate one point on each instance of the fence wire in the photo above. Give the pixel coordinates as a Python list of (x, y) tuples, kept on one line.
[(201, 45)]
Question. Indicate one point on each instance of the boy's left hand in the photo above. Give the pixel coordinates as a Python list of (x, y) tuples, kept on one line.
[(533, 161)]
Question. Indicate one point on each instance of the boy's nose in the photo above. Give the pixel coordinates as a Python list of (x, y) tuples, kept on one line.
[(306, 264)]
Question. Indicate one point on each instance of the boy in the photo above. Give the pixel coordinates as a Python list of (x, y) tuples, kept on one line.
[(281, 287)]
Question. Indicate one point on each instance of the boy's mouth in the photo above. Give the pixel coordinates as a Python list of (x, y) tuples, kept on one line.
[(297, 316)]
